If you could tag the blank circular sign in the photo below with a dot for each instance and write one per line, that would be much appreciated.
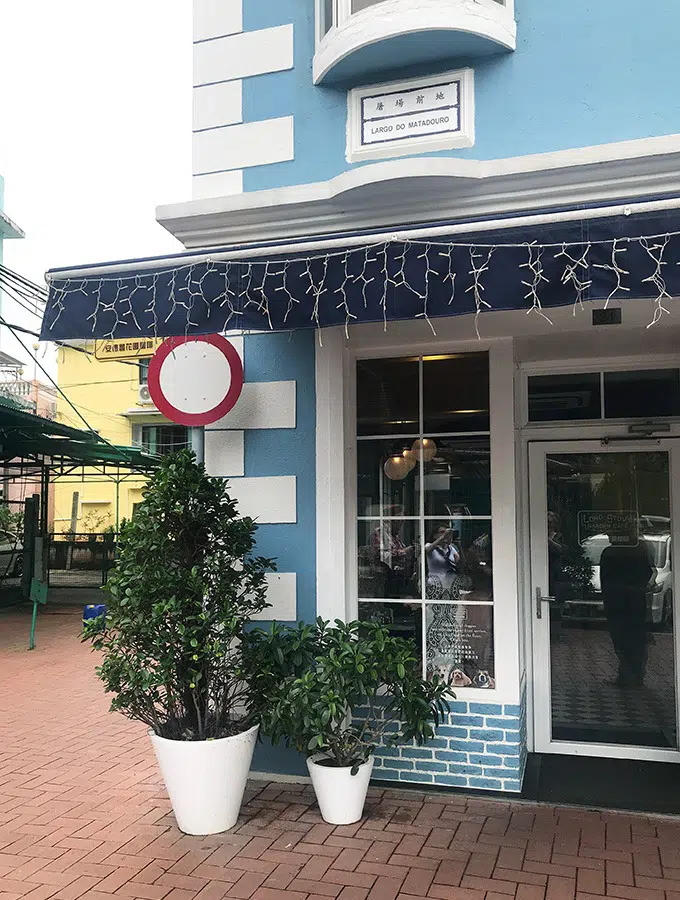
(195, 380)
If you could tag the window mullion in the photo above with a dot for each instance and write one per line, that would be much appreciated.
(421, 518)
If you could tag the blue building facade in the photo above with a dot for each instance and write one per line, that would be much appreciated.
(440, 230)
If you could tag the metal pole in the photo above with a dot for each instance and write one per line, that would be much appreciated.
(118, 502)
(197, 441)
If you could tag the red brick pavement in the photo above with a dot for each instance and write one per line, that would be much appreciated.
(83, 814)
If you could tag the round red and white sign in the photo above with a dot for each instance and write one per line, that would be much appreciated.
(195, 380)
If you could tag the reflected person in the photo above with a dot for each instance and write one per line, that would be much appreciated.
(388, 547)
(625, 573)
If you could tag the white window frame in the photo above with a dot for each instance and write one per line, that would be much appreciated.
(336, 453)
(581, 367)
(407, 146)
(342, 12)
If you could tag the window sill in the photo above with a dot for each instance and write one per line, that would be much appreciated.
(412, 32)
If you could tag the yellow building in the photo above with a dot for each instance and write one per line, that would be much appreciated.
(106, 383)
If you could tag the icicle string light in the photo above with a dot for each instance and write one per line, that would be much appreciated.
(463, 277)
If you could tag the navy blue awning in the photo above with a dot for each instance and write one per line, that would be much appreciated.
(541, 267)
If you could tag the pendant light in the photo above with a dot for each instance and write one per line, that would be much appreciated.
(411, 458)
(396, 467)
(425, 449)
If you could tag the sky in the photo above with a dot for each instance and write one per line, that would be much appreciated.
(95, 132)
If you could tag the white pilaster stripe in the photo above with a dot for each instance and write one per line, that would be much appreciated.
(271, 500)
(333, 449)
(216, 105)
(282, 596)
(216, 18)
(244, 54)
(262, 404)
(241, 146)
(224, 453)
(221, 184)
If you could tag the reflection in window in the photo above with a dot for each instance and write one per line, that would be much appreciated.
(328, 16)
(456, 393)
(387, 396)
(648, 395)
(389, 559)
(458, 478)
(358, 5)
(387, 481)
(424, 504)
(402, 619)
(163, 439)
(458, 561)
(564, 398)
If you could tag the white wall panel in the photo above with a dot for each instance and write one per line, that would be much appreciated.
(216, 105)
(262, 404)
(219, 184)
(282, 595)
(215, 18)
(240, 146)
(245, 54)
(224, 453)
(269, 499)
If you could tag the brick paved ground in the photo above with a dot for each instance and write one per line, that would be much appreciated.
(83, 814)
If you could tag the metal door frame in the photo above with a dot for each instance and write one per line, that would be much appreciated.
(540, 627)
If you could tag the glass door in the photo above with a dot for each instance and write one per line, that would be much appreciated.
(603, 587)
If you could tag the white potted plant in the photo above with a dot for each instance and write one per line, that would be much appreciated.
(337, 693)
(186, 584)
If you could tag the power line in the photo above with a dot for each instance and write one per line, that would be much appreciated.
(45, 372)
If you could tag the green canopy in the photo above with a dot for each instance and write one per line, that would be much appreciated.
(24, 435)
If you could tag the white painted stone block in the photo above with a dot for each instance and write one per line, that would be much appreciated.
(224, 453)
(240, 146)
(219, 184)
(262, 404)
(282, 595)
(215, 18)
(271, 500)
(236, 340)
(245, 54)
(216, 105)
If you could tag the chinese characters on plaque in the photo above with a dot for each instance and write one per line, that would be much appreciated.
(394, 116)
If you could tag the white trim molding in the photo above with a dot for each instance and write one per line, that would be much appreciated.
(490, 22)
(334, 446)
(243, 55)
(403, 118)
(431, 189)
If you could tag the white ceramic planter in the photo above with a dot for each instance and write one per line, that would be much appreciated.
(206, 779)
(341, 795)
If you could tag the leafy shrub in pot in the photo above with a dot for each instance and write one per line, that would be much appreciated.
(337, 693)
(185, 586)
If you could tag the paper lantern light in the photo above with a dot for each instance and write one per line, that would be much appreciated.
(424, 449)
(396, 467)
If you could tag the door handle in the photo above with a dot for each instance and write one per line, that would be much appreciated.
(540, 600)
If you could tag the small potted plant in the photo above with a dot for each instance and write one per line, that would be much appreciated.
(337, 693)
(185, 586)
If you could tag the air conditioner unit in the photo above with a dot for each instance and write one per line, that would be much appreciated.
(144, 395)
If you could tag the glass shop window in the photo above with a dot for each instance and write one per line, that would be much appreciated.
(636, 394)
(424, 526)
(160, 440)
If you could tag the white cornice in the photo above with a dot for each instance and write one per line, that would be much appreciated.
(430, 189)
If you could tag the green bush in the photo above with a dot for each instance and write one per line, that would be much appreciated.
(185, 586)
(342, 690)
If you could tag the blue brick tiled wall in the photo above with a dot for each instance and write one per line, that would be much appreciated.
(482, 745)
